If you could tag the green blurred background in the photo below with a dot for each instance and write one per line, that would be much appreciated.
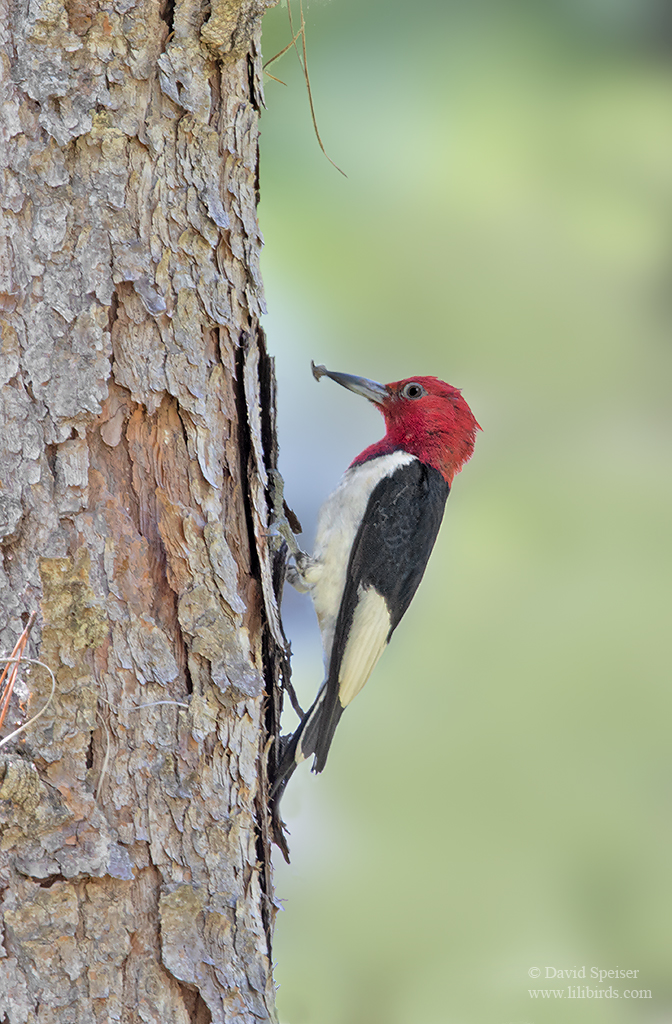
(499, 796)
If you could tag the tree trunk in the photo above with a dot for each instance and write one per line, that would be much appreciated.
(136, 432)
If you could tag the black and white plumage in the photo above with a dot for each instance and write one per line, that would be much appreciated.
(374, 537)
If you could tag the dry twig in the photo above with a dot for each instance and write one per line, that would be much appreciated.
(11, 670)
(22, 728)
(303, 61)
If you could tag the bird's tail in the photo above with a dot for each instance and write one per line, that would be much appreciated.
(303, 743)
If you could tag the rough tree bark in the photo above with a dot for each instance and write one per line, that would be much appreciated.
(136, 432)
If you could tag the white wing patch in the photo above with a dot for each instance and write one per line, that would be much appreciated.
(366, 642)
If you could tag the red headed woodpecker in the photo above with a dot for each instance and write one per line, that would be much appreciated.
(375, 534)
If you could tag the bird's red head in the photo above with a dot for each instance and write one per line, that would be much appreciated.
(423, 415)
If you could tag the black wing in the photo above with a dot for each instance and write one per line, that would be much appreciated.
(389, 557)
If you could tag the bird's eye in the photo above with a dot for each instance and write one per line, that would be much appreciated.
(413, 390)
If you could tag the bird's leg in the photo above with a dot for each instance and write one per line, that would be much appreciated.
(284, 524)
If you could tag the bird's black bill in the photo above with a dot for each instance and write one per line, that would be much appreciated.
(360, 385)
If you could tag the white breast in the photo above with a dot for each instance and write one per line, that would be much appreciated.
(337, 525)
